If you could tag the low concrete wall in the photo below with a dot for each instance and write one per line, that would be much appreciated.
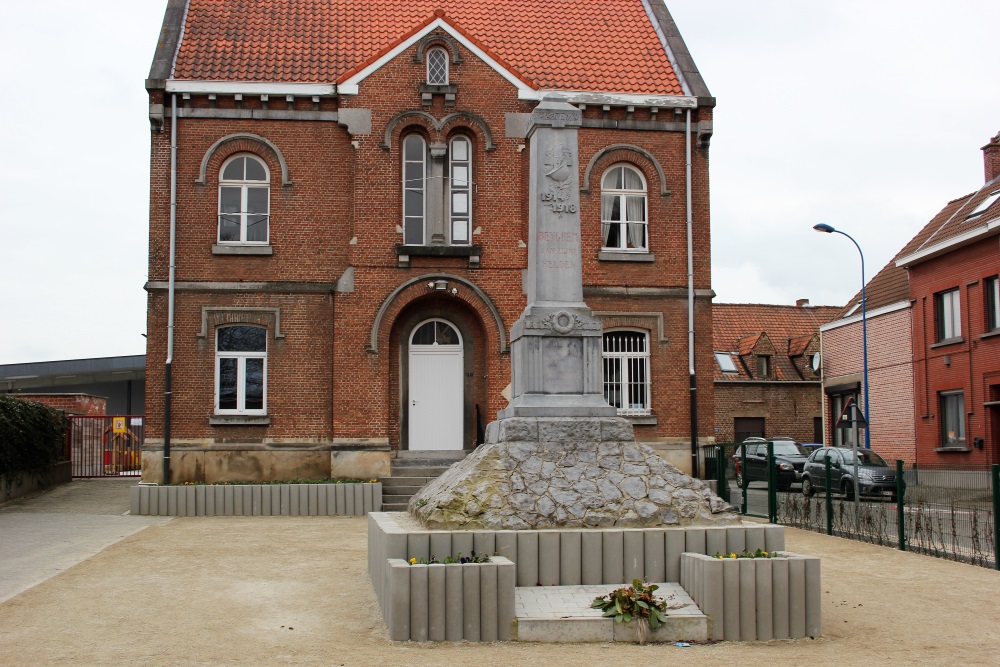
(756, 599)
(56, 474)
(257, 500)
(565, 557)
(454, 602)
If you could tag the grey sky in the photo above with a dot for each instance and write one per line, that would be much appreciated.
(865, 115)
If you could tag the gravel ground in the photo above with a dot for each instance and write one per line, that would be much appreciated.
(251, 591)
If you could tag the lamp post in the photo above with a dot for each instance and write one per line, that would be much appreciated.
(864, 328)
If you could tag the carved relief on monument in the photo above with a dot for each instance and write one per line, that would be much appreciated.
(557, 192)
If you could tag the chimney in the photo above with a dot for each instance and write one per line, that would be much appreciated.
(991, 157)
(802, 303)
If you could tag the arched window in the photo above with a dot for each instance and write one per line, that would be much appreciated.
(460, 183)
(437, 67)
(436, 332)
(626, 371)
(414, 189)
(623, 210)
(241, 370)
(244, 201)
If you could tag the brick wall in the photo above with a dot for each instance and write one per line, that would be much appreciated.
(787, 409)
(71, 404)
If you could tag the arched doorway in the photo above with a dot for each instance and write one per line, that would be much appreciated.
(436, 386)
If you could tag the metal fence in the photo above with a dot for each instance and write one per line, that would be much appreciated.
(106, 446)
(943, 511)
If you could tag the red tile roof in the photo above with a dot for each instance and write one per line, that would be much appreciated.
(954, 220)
(606, 46)
(738, 327)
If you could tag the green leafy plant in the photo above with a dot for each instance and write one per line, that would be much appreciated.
(297, 480)
(634, 603)
(459, 559)
(759, 553)
(31, 437)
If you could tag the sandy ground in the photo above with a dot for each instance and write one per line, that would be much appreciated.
(293, 590)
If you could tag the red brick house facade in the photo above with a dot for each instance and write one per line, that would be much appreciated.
(350, 223)
(765, 381)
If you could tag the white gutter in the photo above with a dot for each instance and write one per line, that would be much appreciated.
(949, 244)
(250, 88)
(891, 308)
(617, 99)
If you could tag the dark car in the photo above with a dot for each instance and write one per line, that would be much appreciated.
(789, 458)
(875, 476)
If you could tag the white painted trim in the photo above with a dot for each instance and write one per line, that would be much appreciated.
(949, 244)
(250, 87)
(350, 86)
(891, 308)
(595, 97)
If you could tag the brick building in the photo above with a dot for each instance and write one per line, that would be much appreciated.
(953, 264)
(765, 382)
(348, 198)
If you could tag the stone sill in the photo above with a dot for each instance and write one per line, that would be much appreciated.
(239, 420)
(991, 334)
(641, 420)
(612, 256)
(952, 450)
(226, 249)
(439, 250)
(946, 342)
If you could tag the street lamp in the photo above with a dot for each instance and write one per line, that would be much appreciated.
(864, 327)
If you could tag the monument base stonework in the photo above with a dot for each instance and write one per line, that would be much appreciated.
(551, 472)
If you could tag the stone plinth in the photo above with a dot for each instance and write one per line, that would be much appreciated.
(536, 473)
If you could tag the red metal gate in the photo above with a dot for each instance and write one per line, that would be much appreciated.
(107, 446)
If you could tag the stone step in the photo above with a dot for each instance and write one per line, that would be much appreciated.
(394, 507)
(418, 471)
(406, 480)
(399, 490)
(563, 614)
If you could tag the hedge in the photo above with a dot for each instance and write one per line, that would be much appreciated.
(31, 437)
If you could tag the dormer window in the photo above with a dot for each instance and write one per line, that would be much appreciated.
(437, 67)
(763, 366)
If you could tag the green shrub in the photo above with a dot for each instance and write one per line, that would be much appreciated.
(31, 437)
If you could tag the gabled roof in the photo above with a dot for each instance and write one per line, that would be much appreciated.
(737, 328)
(890, 285)
(623, 46)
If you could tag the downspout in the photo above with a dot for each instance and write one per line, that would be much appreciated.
(170, 288)
(690, 258)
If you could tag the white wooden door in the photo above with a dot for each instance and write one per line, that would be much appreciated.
(435, 387)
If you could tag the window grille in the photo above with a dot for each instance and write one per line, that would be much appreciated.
(626, 371)
(437, 67)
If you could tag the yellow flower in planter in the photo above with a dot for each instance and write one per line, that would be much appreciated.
(413, 561)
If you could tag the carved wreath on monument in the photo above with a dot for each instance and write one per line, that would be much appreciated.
(556, 193)
(562, 322)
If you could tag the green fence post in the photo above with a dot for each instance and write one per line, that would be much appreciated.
(996, 515)
(743, 474)
(900, 495)
(772, 486)
(720, 472)
(829, 497)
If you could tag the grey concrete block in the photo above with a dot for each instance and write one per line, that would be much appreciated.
(716, 541)
(359, 499)
(201, 501)
(675, 544)
(796, 598)
(713, 603)
(779, 597)
(484, 542)
(616, 429)
(548, 558)
(569, 430)
(654, 554)
(736, 539)
(814, 598)
(256, 500)
(227, 501)
(418, 603)
(341, 499)
(471, 612)
(348, 500)
(461, 543)
(506, 544)
(454, 603)
(694, 540)
(172, 496)
(191, 507)
(418, 545)
(570, 558)
(592, 557)
(506, 578)
(277, 500)
(613, 557)
(634, 546)
(163, 508)
(377, 497)
(565, 630)
(755, 538)
(774, 538)
(134, 493)
(312, 500)
(398, 600)
(441, 545)
(321, 491)
(731, 599)
(180, 501)
(518, 429)
(488, 601)
(436, 603)
(527, 559)
(286, 500)
(765, 606)
(748, 599)
(331, 500)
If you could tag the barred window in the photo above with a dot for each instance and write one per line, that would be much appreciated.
(626, 371)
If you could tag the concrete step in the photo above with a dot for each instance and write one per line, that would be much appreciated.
(418, 471)
(406, 480)
(395, 498)
(394, 507)
(399, 490)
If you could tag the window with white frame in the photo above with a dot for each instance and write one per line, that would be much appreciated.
(437, 67)
(948, 315)
(952, 418)
(244, 201)
(984, 205)
(241, 370)
(726, 363)
(992, 296)
(439, 182)
(623, 210)
(626, 371)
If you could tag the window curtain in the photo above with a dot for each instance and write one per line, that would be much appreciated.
(635, 213)
(607, 211)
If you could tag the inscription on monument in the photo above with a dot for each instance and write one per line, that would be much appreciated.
(557, 192)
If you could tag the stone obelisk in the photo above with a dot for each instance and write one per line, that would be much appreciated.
(559, 455)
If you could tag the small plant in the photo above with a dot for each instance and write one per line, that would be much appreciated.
(448, 560)
(634, 603)
(759, 553)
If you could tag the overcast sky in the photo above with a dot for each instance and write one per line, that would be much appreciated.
(868, 116)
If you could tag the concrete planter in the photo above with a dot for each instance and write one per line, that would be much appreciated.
(756, 599)
(452, 602)
(257, 500)
(54, 475)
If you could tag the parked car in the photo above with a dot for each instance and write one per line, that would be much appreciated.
(789, 458)
(875, 476)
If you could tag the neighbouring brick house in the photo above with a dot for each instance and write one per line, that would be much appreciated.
(766, 383)
(890, 368)
(351, 223)
(953, 265)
